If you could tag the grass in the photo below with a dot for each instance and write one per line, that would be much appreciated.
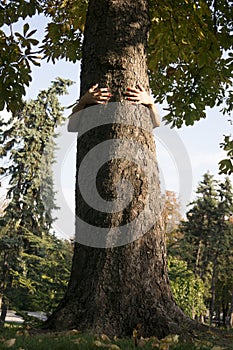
(19, 338)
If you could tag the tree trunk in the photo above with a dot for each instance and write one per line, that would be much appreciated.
(198, 258)
(119, 277)
(213, 292)
(4, 285)
(3, 312)
(231, 312)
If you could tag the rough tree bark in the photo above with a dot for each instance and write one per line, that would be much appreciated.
(116, 289)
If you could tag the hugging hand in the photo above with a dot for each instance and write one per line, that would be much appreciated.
(93, 96)
(96, 95)
(138, 95)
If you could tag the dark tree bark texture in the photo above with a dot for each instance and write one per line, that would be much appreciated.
(116, 289)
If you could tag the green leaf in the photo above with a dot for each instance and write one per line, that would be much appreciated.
(25, 28)
(31, 33)
(226, 166)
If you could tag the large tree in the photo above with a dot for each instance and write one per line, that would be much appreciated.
(119, 278)
(115, 289)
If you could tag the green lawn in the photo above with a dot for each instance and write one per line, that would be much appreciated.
(19, 338)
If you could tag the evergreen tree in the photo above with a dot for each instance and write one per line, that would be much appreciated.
(200, 225)
(28, 145)
(188, 289)
(207, 241)
(222, 280)
(44, 279)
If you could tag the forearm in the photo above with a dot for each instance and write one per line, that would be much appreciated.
(81, 105)
(73, 118)
(154, 114)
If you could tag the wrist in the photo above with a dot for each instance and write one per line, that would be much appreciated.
(82, 101)
(81, 104)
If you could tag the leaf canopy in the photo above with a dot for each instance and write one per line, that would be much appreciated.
(190, 55)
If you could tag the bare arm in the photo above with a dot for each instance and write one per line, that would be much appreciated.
(93, 96)
(140, 96)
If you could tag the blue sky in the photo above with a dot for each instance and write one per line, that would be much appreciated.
(195, 149)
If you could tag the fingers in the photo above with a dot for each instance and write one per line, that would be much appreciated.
(132, 90)
(132, 94)
(99, 95)
(141, 88)
(133, 98)
(102, 98)
(102, 92)
(93, 88)
(102, 95)
(138, 88)
(105, 89)
(101, 102)
(136, 95)
(136, 102)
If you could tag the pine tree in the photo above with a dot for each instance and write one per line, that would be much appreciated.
(28, 145)
(222, 279)
(207, 241)
(200, 225)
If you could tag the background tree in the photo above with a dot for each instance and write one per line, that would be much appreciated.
(188, 289)
(171, 217)
(222, 254)
(42, 282)
(25, 241)
(200, 226)
(207, 242)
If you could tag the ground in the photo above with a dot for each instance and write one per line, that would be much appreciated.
(17, 337)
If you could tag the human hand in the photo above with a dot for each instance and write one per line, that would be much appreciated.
(96, 95)
(138, 95)
(93, 96)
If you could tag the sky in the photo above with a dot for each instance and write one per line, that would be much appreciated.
(184, 155)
